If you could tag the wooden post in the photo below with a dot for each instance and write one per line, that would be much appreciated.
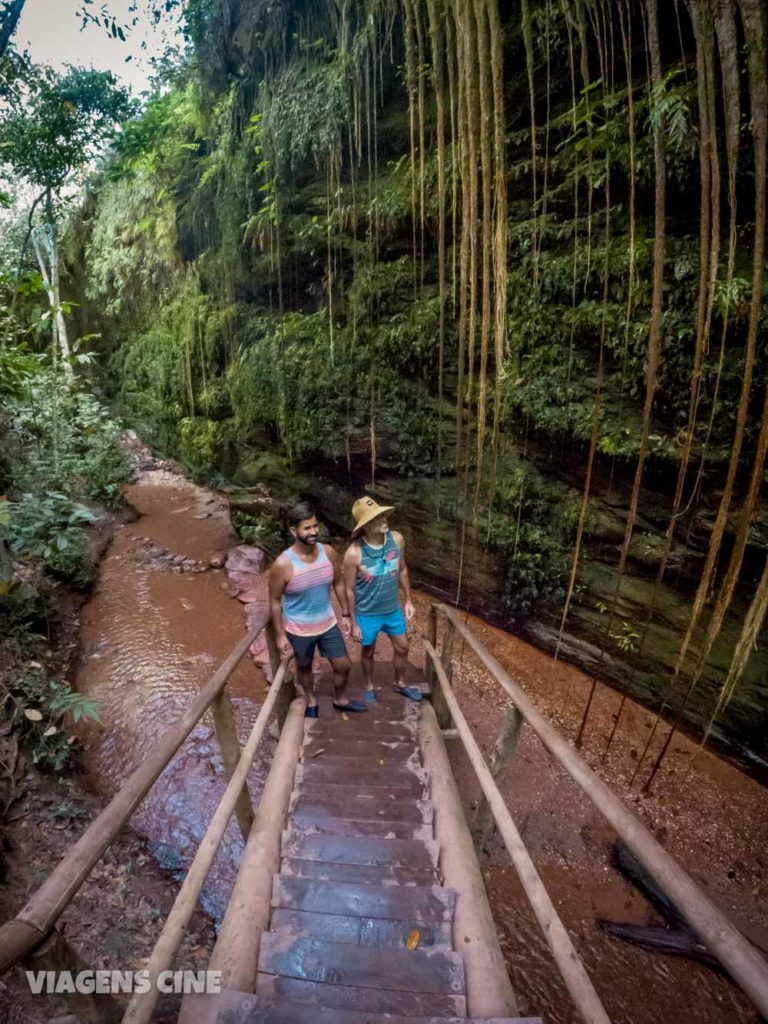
(483, 824)
(446, 656)
(429, 672)
(274, 653)
(226, 734)
(288, 691)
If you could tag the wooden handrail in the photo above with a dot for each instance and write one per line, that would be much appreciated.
(740, 958)
(35, 920)
(572, 971)
(142, 1005)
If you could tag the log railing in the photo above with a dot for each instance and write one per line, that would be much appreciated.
(36, 920)
(737, 955)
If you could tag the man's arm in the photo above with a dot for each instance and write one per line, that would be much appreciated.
(277, 584)
(404, 579)
(351, 563)
(338, 582)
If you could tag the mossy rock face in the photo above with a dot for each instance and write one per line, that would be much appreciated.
(207, 444)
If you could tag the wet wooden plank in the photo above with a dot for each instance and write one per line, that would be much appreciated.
(388, 750)
(311, 825)
(360, 1000)
(382, 794)
(359, 874)
(362, 931)
(270, 1011)
(361, 850)
(327, 802)
(367, 776)
(423, 904)
(339, 963)
(366, 726)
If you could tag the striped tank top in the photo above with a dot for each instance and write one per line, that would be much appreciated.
(378, 578)
(307, 607)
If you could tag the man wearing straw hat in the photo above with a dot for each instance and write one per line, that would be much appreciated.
(374, 573)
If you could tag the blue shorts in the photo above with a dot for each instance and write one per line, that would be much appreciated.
(330, 645)
(393, 624)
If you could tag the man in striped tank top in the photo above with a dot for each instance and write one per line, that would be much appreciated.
(374, 574)
(300, 583)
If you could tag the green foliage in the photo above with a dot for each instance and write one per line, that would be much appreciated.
(40, 711)
(530, 528)
(62, 439)
(63, 121)
(52, 529)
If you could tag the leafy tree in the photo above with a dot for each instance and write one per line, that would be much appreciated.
(45, 141)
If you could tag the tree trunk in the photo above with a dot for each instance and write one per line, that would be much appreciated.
(9, 24)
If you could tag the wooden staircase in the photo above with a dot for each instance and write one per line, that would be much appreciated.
(361, 925)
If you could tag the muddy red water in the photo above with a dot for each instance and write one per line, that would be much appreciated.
(152, 635)
(155, 631)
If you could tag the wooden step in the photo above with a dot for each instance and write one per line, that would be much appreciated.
(422, 904)
(383, 793)
(359, 1000)
(386, 750)
(235, 1007)
(339, 963)
(362, 931)
(371, 850)
(269, 1011)
(310, 825)
(361, 727)
(367, 777)
(356, 803)
(359, 874)
(345, 802)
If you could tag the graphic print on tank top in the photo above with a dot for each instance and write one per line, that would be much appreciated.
(307, 609)
(378, 578)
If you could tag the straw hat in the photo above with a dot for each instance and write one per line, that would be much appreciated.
(366, 509)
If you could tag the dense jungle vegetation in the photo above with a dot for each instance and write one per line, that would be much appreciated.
(502, 265)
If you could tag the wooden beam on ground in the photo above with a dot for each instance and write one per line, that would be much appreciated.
(57, 954)
(571, 969)
(488, 989)
(46, 906)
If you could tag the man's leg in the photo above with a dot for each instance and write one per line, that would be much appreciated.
(396, 629)
(304, 650)
(331, 646)
(366, 660)
(306, 680)
(400, 657)
(341, 668)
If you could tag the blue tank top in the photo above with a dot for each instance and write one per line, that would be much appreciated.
(307, 609)
(378, 578)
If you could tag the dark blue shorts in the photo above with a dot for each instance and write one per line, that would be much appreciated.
(329, 644)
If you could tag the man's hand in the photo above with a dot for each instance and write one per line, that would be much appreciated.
(357, 633)
(284, 646)
(410, 611)
(346, 627)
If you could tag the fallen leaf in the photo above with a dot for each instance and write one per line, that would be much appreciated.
(318, 752)
(345, 716)
(50, 731)
(33, 715)
(413, 939)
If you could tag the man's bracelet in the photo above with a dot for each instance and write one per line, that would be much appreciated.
(346, 615)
